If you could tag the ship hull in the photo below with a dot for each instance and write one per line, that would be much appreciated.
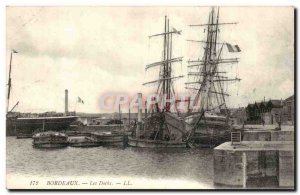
(25, 127)
(50, 145)
(11, 126)
(84, 144)
(205, 140)
(49, 139)
(161, 130)
(110, 139)
(211, 132)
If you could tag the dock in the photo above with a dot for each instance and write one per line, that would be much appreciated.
(263, 158)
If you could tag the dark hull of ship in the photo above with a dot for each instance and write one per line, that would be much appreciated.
(11, 126)
(210, 140)
(84, 144)
(119, 140)
(50, 145)
(152, 137)
(25, 127)
(49, 139)
(210, 133)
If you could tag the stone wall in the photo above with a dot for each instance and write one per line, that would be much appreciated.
(228, 168)
(268, 135)
(256, 136)
(255, 164)
(286, 168)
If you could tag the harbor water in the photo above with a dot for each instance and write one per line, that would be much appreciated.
(185, 164)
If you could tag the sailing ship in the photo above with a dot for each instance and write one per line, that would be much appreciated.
(162, 128)
(24, 127)
(208, 115)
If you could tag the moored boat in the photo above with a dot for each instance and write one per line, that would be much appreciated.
(50, 139)
(110, 138)
(208, 115)
(82, 141)
(160, 130)
(212, 130)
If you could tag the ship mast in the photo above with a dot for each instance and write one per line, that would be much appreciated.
(165, 82)
(9, 81)
(208, 78)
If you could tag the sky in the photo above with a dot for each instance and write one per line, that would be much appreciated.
(93, 51)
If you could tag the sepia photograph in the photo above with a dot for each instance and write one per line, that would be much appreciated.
(150, 97)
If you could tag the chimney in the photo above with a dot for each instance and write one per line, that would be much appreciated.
(66, 102)
(146, 112)
(140, 107)
(139, 123)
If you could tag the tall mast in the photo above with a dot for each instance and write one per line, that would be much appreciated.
(208, 79)
(165, 59)
(168, 73)
(9, 79)
(170, 70)
(165, 87)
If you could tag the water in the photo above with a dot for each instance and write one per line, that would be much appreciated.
(188, 164)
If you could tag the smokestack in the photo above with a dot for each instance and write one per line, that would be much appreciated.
(139, 123)
(140, 107)
(66, 102)
(146, 112)
(129, 115)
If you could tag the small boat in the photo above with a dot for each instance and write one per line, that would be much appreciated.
(50, 139)
(110, 138)
(82, 141)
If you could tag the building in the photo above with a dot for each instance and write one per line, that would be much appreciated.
(264, 112)
(289, 109)
(271, 112)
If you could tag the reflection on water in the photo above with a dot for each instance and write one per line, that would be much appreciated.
(191, 164)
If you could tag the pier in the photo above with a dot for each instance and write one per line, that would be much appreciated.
(264, 158)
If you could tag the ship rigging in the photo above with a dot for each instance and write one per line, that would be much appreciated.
(162, 128)
(207, 80)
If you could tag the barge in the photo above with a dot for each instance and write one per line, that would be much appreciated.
(50, 139)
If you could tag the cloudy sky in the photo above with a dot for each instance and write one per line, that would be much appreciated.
(99, 50)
